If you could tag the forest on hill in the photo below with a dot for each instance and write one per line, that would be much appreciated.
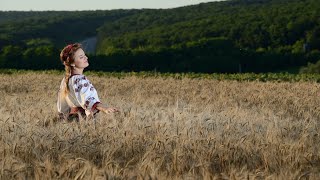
(226, 37)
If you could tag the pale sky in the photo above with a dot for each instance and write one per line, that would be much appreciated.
(70, 5)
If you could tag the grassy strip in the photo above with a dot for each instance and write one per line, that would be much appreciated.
(263, 77)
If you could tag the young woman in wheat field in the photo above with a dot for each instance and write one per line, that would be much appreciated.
(77, 96)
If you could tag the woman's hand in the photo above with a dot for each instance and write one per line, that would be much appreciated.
(105, 109)
(110, 110)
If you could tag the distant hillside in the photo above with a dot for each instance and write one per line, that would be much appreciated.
(227, 36)
(60, 27)
(252, 24)
(20, 16)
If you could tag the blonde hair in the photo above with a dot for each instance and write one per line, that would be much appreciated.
(67, 58)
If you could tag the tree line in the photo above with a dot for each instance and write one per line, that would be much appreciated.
(227, 36)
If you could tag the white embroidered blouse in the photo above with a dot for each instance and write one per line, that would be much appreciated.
(82, 95)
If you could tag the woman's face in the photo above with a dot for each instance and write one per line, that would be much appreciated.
(80, 59)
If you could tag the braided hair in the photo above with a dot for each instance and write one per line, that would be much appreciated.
(67, 58)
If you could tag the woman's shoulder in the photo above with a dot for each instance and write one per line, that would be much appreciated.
(77, 78)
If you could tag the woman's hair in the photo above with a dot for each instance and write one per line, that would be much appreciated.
(67, 58)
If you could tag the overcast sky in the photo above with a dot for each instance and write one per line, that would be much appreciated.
(42, 5)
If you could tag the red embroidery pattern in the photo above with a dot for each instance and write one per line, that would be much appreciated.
(88, 101)
(76, 81)
(78, 88)
(91, 98)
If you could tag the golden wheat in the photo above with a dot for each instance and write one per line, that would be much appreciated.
(167, 129)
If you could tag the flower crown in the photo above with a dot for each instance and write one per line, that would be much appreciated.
(66, 52)
(68, 49)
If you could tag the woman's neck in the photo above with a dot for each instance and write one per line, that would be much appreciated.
(77, 71)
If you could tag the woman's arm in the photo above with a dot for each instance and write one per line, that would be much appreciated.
(105, 109)
(87, 96)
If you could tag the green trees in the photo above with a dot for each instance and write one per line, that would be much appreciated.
(311, 68)
(226, 36)
(251, 24)
(280, 33)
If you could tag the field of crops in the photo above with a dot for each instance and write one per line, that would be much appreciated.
(171, 126)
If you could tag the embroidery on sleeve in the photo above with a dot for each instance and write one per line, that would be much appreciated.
(88, 101)
(79, 87)
(86, 104)
(76, 81)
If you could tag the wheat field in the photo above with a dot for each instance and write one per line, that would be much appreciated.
(167, 129)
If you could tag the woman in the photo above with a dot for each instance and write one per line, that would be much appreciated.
(77, 96)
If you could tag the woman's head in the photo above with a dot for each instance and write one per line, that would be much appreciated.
(74, 60)
(73, 56)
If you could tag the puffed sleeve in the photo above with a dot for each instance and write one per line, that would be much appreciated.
(85, 94)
